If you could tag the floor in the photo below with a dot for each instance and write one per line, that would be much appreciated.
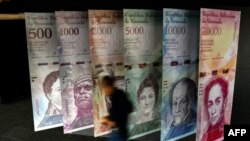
(16, 124)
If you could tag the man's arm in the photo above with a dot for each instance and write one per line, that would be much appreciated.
(107, 121)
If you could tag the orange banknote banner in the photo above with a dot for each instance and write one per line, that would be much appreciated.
(106, 50)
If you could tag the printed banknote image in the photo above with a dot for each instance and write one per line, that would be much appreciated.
(45, 83)
(143, 87)
(219, 37)
(74, 58)
(143, 52)
(182, 108)
(106, 49)
(83, 101)
(142, 36)
(76, 93)
(180, 71)
(44, 70)
(215, 98)
(147, 95)
(52, 91)
(72, 33)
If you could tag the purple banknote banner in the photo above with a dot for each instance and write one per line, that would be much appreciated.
(76, 81)
(44, 70)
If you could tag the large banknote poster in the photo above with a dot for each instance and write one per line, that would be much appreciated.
(44, 70)
(180, 69)
(106, 48)
(143, 63)
(219, 33)
(76, 81)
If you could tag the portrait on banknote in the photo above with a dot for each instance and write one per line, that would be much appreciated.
(74, 59)
(180, 71)
(182, 98)
(217, 68)
(215, 99)
(44, 70)
(143, 51)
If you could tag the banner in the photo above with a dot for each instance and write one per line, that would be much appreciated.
(106, 45)
(44, 70)
(143, 53)
(180, 69)
(219, 33)
(76, 81)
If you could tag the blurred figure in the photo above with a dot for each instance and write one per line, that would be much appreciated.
(119, 109)
(120, 82)
(105, 71)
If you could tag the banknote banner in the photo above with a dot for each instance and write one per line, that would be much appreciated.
(74, 64)
(219, 33)
(106, 50)
(180, 72)
(143, 62)
(44, 70)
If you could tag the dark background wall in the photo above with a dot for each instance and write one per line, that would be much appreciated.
(241, 103)
(14, 61)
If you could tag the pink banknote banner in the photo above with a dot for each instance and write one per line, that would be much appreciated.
(76, 81)
(219, 33)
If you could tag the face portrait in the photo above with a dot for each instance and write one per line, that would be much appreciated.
(181, 105)
(52, 90)
(55, 96)
(215, 100)
(147, 101)
(215, 105)
(183, 95)
(147, 95)
(82, 93)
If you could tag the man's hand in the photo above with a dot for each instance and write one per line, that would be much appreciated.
(107, 121)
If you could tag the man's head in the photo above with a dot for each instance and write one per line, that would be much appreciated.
(105, 71)
(215, 100)
(52, 89)
(147, 95)
(182, 96)
(83, 92)
(107, 85)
